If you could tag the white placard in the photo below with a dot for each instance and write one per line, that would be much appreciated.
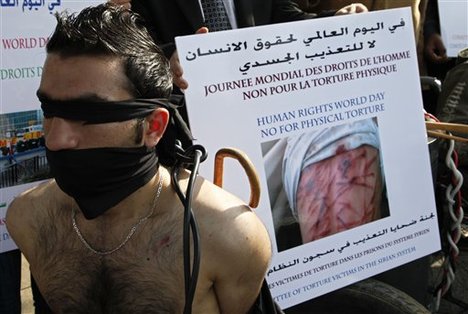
(453, 17)
(257, 87)
(25, 26)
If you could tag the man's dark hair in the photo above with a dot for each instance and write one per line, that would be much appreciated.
(111, 30)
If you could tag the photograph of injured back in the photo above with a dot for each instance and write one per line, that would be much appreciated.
(325, 181)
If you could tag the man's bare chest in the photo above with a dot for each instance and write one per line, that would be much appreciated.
(144, 276)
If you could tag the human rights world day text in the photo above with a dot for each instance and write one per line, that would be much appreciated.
(308, 117)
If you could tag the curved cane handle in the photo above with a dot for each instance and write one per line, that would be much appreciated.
(245, 163)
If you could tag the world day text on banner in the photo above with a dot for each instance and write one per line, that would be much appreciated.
(25, 26)
(453, 17)
(330, 113)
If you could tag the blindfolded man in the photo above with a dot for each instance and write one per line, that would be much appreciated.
(106, 235)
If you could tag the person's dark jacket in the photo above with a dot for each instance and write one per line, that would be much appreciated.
(167, 19)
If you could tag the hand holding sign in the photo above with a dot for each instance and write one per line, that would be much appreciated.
(176, 68)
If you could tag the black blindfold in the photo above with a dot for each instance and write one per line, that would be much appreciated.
(117, 111)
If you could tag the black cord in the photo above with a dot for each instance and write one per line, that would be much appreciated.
(192, 157)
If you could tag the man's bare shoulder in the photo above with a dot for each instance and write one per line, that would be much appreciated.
(236, 247)
(233, 228)
(209, 197)
(25, 203)
(27, 209)
(228, 227)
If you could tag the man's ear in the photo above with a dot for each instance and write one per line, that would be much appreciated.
(157, 123)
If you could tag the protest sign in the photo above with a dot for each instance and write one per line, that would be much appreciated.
(453, 18)
(324, 94)
(25, 27)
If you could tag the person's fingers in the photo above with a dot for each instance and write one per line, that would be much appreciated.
(435, 50)
(181, 83)
(177, 71)
(352, 8)
(433, 55)
(125, 3)
(119, 1)
(440, 48)
(429, 52)
(176, 68)
(202, 30)
(361, 8)
(342, 11)
(174, 62)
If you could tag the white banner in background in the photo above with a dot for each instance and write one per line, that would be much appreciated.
(282, 92)
(25, 26)
(453, 17)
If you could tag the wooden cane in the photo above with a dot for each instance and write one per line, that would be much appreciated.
(248, 168)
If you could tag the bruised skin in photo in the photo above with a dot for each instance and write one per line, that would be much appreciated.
(339, 193)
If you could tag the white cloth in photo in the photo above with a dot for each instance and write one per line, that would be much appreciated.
(308, 148)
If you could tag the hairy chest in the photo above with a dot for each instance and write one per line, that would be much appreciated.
(144, 276)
